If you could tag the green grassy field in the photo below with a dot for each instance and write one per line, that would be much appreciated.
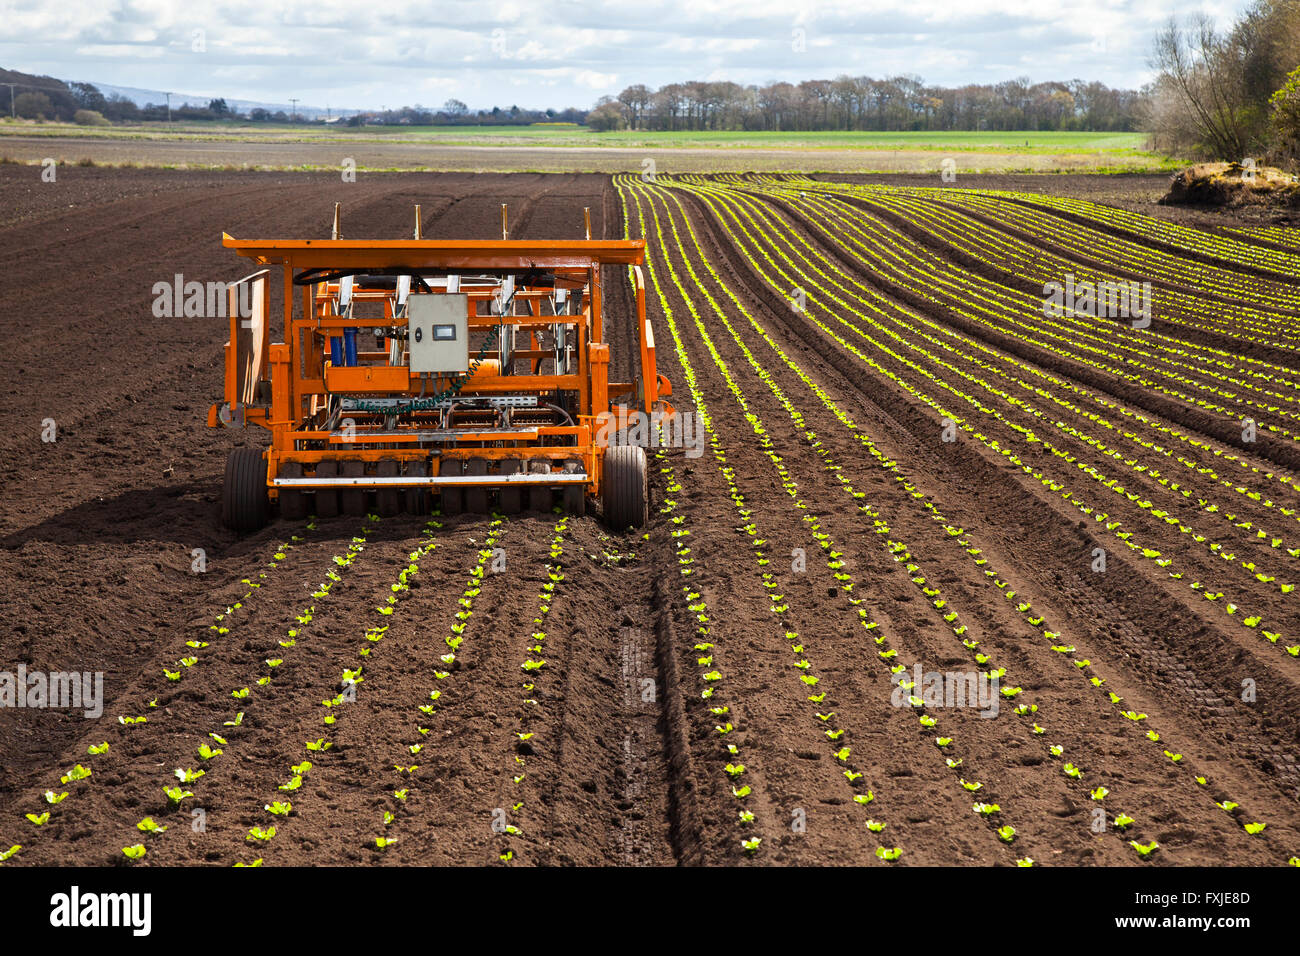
(567, 148)
(580, 137)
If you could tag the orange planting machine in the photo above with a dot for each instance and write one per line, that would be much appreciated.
(476, 371)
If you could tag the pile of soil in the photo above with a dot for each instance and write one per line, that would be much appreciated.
(1232, 185)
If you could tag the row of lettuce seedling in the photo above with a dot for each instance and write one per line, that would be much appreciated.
(1083, 666)
(344, 691)
(1140, 469)
(835, 558)
(219, 739)
(413, 746)
(533, 667)
(223, 620)
(1231, 608)
(1009, 255)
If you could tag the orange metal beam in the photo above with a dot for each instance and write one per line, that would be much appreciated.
(467, 254)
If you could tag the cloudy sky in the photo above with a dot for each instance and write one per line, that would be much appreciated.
(538, 53)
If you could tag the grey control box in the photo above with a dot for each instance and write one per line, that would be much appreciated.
(438, 327)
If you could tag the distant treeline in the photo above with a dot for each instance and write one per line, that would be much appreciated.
(893, 104)
(456, 113)
(44, 97)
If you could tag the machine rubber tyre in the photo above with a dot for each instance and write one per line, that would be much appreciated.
(574, 496)
(510, 497)
(388, 501)
(540, 497)
(353, 500)
(416, 500)
(244, 502)
(476, 499)
(293, 504)
(626, 494)
(327, 499)
(453, 499)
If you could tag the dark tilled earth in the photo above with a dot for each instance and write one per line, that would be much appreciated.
(99, 533)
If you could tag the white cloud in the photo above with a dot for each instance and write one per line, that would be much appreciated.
(592, 80)
(568, 52)
(123, 50)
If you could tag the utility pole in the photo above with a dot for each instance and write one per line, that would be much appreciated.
(294, 117)
(169, 108)
(12, 113)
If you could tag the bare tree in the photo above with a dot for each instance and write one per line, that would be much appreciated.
(1198, 78)
(862, 103)
(634, 100)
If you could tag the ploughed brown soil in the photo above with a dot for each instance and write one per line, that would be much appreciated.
(608, 754)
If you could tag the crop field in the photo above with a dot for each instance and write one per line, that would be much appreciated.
(962, 572)
(565, 148)
(568, 134)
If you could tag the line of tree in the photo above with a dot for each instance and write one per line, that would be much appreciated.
(456, 113)
(47, 98)
(892, 104)
(1233, 94)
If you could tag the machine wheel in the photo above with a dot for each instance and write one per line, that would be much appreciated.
(626, 493)
(476, 499)
(293, 504)
(453, 499)
(540, 497)
(575, 496)
(327, 499)
(244, 502)
(417, 499)
(388, 501)
(510, 498)
(353, 500)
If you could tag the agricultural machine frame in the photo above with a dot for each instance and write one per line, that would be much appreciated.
(487, 383)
